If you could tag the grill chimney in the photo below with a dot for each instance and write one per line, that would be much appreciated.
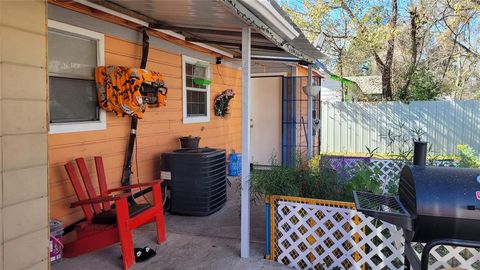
(420, 153)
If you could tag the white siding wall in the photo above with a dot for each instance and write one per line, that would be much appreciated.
(350, 127)
(23, 136)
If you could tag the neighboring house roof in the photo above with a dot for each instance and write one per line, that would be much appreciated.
(369, 85)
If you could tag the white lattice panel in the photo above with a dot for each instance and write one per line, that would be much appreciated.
(318, 237)
(390, 169)
(447, 257)
(344, 162)
(309, 236)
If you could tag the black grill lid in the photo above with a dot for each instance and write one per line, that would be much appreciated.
(384, 207)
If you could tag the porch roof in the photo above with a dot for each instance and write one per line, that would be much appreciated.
(218, 23)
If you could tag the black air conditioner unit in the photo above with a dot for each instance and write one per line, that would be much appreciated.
(198, 180)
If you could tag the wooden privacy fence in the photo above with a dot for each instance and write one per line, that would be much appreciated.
(350, 127)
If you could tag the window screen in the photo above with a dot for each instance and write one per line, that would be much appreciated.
(71, 64)
(196, 94)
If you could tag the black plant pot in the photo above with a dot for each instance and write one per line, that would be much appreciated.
(189, 142)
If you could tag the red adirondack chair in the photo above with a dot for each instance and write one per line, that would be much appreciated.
(105, 225)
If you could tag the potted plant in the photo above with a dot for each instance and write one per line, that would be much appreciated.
(189, 141)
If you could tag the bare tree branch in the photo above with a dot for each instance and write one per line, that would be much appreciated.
(475, 54)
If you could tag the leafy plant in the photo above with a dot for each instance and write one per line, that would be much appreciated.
(322, 184)
(392, 186)
(371, 152)
(316, 179)
(314, 164)
(467, 157)
(400, 140)
(363, 178)
(279, 180)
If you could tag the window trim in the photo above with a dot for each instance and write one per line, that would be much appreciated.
(193, 119)
(101, 124)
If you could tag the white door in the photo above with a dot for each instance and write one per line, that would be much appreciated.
(266, 122)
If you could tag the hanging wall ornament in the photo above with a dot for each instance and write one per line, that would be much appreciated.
(222, 102)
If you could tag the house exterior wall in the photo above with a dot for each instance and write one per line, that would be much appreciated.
(23, 136)
(157, 132)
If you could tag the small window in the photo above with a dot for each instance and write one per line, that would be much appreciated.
(196, 97)
(73, 55)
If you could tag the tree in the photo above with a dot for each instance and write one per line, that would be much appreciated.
(334, 31)
(398, 39)
(417, 19)
(423, 86)
(361, 23)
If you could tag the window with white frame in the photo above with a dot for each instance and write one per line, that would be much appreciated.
(196, 97)
(73, 55)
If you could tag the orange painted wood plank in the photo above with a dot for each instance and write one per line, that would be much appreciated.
(158, 132)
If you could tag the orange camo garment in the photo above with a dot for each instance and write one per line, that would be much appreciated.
(118, 89)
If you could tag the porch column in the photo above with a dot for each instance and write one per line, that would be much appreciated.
(310, 116)
(245, 200)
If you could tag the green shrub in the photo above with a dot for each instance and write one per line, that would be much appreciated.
(423, 86)
(279, 180)
(314, 180)
(321, 183)
(363, 179)
(467, 157)
(314, 164)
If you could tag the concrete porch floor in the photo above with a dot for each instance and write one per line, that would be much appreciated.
(211, 243)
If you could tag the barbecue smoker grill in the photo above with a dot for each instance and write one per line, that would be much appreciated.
(435, 205)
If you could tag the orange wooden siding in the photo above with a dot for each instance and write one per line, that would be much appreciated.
(158, 132)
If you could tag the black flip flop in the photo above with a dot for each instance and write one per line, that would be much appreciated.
(150, 252)
(142, 254)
